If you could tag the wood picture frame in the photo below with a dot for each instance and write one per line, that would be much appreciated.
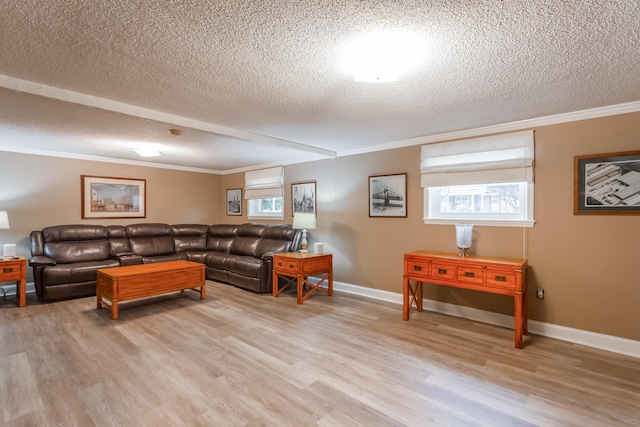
(303, 197)
(388, 195)
(109, 197)
(607, 184)
(234, 202)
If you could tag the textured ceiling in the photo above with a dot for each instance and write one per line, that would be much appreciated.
(260, 82)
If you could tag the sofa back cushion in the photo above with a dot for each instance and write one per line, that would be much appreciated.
(76, 243)
(151, 239)
(249, 235)
(118, 240)
(220, 237)
(190, 237)
(279, 238)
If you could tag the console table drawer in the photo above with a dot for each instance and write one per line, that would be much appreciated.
(470, 273)
(504, 279)
(416, 268)
(443, 270)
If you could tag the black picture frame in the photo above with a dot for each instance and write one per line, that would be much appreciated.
(234, 202)
(607, 184)
(303, 197)
(388, 196)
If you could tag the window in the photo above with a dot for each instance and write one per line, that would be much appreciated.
(485, 180)
(263, 190)
(266, 208)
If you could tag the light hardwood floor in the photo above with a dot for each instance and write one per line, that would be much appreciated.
(241, 359)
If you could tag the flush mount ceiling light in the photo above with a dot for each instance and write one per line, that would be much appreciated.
(148, 152)
(384, 56)
(175, 132)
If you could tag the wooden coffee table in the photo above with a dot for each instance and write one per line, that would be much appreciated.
(118, 284)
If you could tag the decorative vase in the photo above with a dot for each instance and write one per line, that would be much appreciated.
(463, 238)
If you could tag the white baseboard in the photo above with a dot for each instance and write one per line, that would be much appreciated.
(578, 336)
(10, 290)
(611, 343)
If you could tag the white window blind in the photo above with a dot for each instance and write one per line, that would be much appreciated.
(264, 183)
(499, 158)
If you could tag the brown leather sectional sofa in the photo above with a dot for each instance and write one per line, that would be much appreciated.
(65, 258)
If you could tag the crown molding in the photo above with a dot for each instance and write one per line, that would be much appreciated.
(593, 113)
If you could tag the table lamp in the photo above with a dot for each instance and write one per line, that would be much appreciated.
(4, 220)
(9, 250)
(304, 222)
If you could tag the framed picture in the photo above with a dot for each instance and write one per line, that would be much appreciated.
(303, 197)
(106, 197)
(388, 195)
(234, 201)
(607, 184)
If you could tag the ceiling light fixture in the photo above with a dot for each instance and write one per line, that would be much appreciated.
(147, 152)
(175, 132)
(384, 56)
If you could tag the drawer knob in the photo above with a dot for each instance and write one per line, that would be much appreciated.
(291, 266)
(279, 264)
(501, 278)
(442, 271)
(7, 270)
(469, 274)
(417, 267)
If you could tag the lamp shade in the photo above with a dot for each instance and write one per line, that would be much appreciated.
(304, 221)
(4, 219)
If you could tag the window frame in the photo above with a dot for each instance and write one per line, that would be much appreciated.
(524, 219)
(253, 210)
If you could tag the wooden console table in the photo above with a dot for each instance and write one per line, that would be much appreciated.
(506, 276)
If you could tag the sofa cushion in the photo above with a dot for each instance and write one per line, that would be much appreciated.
(220, 237)
(73, 243)
(151, 239)
(218, 260)
(245, 265)
(246, 243)
(76, 272)
(118, 240)
(164, 258)
(190, 237)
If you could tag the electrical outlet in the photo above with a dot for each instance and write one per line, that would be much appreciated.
(540, 294)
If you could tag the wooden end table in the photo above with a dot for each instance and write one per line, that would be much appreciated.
(15, 270)
(297, 267)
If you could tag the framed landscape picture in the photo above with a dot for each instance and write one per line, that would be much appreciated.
(607, 184)
(388, 195)
(234, 201)
(303, 197)
(107, 197)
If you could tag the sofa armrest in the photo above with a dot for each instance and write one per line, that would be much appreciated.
(118, 255)
(38, 261)
(127, 258)
(267, 256)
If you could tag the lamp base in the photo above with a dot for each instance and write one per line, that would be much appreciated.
(463, 252)
(304, 251)
(304, 242)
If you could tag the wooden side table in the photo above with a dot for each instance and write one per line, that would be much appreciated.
(505, 276)
(15, 270)
(297, 267)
